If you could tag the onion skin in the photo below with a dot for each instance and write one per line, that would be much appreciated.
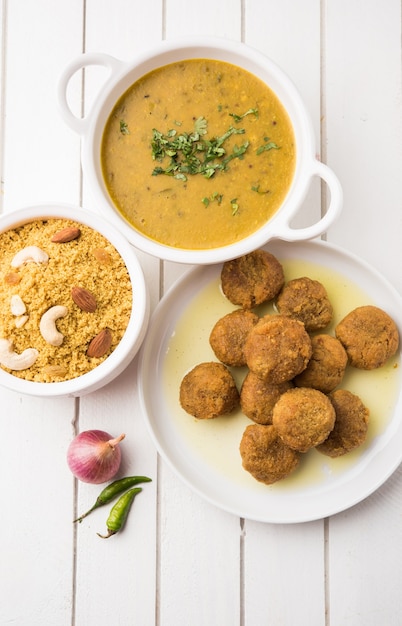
(94, 456)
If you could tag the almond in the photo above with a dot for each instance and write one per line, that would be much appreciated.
(100, 344)
(66, 234)
(84, 299)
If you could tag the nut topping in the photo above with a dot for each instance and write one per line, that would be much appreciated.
(100, 344)
(47, 325)
(13, 360)
(12, 278)
(66, 234)
(55, 370)
(17, 305)
(84, 299)
(30, 254)
(102, 256)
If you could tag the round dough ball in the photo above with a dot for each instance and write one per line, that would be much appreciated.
(369, 336)
(229, 334)
(306, 300)
(252, 279)
(209, 390)
(265, 456)
(351, 424)
(327, 365)
(258, 398)
(303, 417)
(278, 348)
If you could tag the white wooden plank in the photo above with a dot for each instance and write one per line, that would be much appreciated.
(363, 115)
(185, 18)
(40, 162)
(41, 156)
(285, 565)
(199, 559)
(123, 566)
(36, 538)
(3, 22)
(284, 574)
(363, 120)
(288, 32)
(365, 559)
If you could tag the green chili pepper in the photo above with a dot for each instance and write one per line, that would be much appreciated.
(111, 492)
(119, 512)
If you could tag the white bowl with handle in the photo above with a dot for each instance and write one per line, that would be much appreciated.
(121, 75)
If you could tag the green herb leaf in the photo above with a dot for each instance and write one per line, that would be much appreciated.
(216, 197)
(124, 128)
(192, 153)
(269, 145)
(200, 126)
(258, 190)
(235, 206)
(238, 118)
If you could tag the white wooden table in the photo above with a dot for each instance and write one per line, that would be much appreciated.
(180, 561)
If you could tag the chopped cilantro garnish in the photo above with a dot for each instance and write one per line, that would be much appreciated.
(192, 153)
(238, 118)
(268, 145)
(124, 128)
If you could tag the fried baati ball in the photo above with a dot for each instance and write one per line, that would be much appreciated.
(369, 336)
(265, 456)
(306, 300)
(258, 398)
(252, 279)
(278, 348)
(327, 365)
(229, 334)
(351, 424)
(303, 417)
(209, 390)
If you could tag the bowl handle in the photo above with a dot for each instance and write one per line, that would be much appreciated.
(335, 206)
(79, 124)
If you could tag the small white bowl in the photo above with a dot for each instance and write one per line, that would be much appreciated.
(133, 337)
(122, 75)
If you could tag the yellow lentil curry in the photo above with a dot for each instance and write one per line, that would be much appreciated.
(198, 154)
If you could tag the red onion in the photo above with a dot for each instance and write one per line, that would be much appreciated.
(94, 456)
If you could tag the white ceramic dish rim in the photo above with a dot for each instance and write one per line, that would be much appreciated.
(123, 74)
(132, 339)
(351, 487)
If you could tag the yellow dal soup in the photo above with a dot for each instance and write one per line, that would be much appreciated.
(198, 154)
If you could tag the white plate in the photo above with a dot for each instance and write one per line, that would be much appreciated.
(205, 454)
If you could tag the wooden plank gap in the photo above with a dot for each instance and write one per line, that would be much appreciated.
(163, 19)
(3, 77)
(158, 555)
(75, 431)
(326, 573)
(242, 576)
(323, 106)
(243, 21)
(83, 49)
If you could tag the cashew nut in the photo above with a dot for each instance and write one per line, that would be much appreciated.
(47, 325)
(20, 320)
(30, 254)
(15, 361)
(17, 305)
